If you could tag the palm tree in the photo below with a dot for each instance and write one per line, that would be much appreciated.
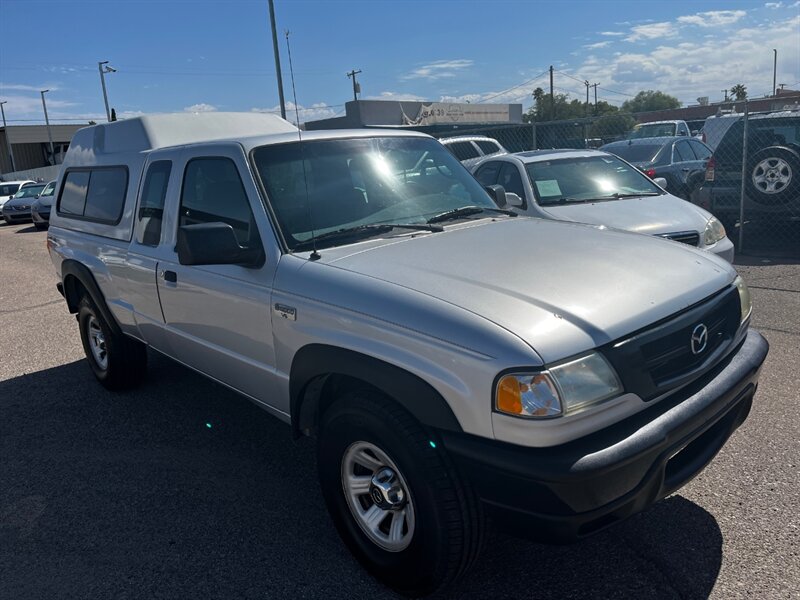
(740, 91)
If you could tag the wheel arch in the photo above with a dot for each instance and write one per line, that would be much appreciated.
(78, 280)
(320, 372)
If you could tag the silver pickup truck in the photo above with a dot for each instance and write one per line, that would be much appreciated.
(453, 360)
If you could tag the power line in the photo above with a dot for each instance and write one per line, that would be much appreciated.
(602, 88)
(539, 76)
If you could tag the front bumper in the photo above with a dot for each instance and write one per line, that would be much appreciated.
(563, 493)
(40, 217)
(723, 249)
(16, 216)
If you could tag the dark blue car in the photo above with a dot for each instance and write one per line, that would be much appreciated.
(679, 160)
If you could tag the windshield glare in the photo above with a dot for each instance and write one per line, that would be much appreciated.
(29, 191)
(48, 190)
(588, 178)
(325, 185)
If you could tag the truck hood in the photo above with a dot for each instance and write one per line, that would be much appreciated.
(563, 288)
(651, 215)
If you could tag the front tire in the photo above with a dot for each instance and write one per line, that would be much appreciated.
(118, 362)
(394, 495)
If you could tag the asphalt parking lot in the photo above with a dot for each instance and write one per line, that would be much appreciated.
(182, 489)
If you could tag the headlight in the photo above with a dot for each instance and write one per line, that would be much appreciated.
(560, 390)
(714, 232)
(744, 298)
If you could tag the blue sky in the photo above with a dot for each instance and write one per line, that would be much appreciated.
(207, 55)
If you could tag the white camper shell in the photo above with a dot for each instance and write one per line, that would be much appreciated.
(126, 144)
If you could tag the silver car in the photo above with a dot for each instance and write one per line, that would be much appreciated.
(590, 186)
(452, 360)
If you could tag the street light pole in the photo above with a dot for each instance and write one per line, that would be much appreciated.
(103, 70)
(5, 132)
(47, 121)
(774, 70)
(277, 58)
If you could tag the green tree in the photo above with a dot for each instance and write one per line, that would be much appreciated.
(564, 108)
(612, 125)
(740, 91)
(649, 100)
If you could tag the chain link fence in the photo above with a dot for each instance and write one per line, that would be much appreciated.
(744, 168)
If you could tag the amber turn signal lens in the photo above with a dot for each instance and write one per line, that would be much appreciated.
(509, 396)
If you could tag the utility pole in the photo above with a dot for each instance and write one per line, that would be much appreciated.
(356, 88)
(774, 70)
(552, 97)
(594, 85)
(726, 94)
(5, 132)
(103, 70)
(47, 121)
(586, 83)
(277, 58)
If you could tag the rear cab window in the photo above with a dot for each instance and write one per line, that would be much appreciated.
(151, 208)
(94, 194)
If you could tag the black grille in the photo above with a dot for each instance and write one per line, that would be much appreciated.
(655, 360)
(691, 238)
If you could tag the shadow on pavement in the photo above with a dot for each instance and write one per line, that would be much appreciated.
(183, 489)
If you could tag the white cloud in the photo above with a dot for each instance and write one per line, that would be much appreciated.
(318, 110)
(201, 107)
(651, 31)
(774, 5)
(713, 18)
(612, 33)
(692, 66)
(597, 45)
(439, 69)
(399, 96)
(17, 87)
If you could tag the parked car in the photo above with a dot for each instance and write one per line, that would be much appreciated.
(715, 126)
(40, 208)
(471, 149)
(9, 188)
(680, 161)
(451, 359)
(592, 186)
(772, 181)
(18, 208)
(660, 129)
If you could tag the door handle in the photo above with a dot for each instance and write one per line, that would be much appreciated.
(686, 169)
(169, 276)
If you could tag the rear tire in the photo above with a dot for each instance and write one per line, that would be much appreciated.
(443, 528)
(118, 361)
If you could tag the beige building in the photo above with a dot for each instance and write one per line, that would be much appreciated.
(30, 145)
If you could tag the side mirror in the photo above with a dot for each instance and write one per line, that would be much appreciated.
(36, 197)
(513, 200)
(497, 193)
(660, 181)
(214, 244)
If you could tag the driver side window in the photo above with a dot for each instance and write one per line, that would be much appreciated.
(213, 193)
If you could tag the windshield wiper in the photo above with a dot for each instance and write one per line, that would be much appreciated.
(365, 231)
(466, 211)
(614, 196)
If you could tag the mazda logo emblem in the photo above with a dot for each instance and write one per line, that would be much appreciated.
(699, 338)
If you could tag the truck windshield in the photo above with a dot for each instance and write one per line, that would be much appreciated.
(585, 179)
(320, 186)
(654, 130)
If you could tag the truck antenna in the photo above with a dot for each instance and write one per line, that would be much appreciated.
(314, 254)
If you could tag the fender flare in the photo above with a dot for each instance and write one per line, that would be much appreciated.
(316, 366)
(73, 272)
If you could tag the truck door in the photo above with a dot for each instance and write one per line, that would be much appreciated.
(148, 246)
(218, 316)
